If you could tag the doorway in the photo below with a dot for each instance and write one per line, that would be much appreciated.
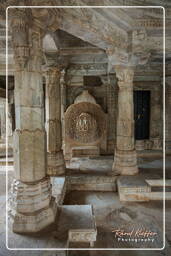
(142, 114)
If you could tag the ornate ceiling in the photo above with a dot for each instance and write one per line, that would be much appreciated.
(88, 35)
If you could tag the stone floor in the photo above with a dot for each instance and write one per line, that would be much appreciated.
(110, 214)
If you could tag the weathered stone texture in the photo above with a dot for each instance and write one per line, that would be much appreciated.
(29, 155)
(85, 125)
(125, 159)
(32, 207)
(56, 163)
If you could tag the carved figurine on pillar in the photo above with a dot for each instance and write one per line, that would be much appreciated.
(56, 163)
(32, 207)
(125, 158)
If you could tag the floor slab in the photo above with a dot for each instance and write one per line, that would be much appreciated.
(110, 213)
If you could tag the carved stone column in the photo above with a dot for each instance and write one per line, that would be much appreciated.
(156, 118)
(56, 163)
(111, 108)
(125, 158)
(63, 105)
(10, 113)
(3, 128)
(31, 206)
(2, 119)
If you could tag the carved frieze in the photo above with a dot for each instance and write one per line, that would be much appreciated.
(82, 235)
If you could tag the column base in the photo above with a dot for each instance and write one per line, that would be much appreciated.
(125, 163)
(56, 164)
(31, 206)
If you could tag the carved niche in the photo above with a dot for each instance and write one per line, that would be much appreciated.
(86, 128)
(85, 124)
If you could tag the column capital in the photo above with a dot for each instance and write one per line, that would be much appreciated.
(125, 76)
(52, 74)
(53, 69)
(20, 36)
(117, 56)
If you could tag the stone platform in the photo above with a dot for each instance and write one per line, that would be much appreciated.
(77, 224)
(91, 183)
(85, 151)
(133, 188)
(139, 189)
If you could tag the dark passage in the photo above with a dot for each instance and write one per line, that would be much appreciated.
(142, 114)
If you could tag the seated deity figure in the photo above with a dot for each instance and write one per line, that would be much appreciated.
(86, 128)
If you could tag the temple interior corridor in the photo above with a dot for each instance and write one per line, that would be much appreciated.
(85, 127)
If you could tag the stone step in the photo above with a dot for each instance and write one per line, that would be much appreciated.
(76, 225)
(138, 189)
(85, 151)
(132, 188)
(91, 183)
(159, 196)
(4, 168)
(150, 153)
(158, 182)
(3, 161)
(3, 151)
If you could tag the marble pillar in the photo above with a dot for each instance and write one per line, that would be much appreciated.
(63, 105)
(111, 107)
(156, 127)
(56, 163)
(125, 158)
(10, 112)
(3, 128)
(32, 207)
(2, 119)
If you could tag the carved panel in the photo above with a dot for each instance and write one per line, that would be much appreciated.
(85, 126)
(85, 122)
